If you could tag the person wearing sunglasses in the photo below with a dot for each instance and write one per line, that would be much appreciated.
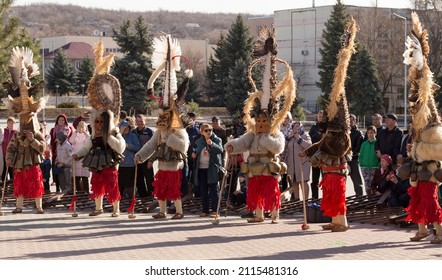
(208, 160)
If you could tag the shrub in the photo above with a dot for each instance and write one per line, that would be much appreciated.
(68, 104)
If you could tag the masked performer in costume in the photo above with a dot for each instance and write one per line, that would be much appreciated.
(170, 141)
(263, 114)
(333, 151)
(424, 170)
(104, 150)
(25, 150)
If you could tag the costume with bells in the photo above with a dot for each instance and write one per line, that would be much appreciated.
(424, 170)
(170, 141)
(333, 151)
(263, 115)
(25, 150)
(104, 149)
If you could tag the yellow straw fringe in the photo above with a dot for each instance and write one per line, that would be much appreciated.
(338, 87)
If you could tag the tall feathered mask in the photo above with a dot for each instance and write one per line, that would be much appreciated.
(20, 90)
(267, 100)
(104, 92)
(422, 87)
(166, 58)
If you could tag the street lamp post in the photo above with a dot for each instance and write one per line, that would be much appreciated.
(56, 95)
(82, 96)
(405, 69)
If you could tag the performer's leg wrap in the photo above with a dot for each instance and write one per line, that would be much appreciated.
(99, 203)
(38, 203)
(162, 204)
(342, 220)
(438, 228)
(179, 206)
(259, 213)
(19, 202)
(422, 228)
(116, 206)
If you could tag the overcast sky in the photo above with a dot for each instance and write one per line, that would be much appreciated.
(257, 7)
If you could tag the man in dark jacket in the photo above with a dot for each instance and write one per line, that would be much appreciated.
(356, 138)
(389, 139)
(316, 135)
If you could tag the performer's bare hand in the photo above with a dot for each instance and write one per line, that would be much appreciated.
(209, 142)
(302, 154)
(74, 156)
(229, 149)
(30, 135)
(9, 162)
(193, 155)
(137, 159)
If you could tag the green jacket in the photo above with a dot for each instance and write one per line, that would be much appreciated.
(367, 155)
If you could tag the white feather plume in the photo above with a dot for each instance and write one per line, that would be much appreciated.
(413, 54)
(162, 46)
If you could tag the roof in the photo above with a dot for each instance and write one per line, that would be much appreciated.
(74, 50)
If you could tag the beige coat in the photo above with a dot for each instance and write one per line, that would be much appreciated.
(294, 147)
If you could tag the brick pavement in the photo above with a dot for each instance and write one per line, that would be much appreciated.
(58, 236)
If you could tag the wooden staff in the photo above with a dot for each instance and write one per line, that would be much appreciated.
(3, 191)
(304, 226)
(131, 208)
(74, 198)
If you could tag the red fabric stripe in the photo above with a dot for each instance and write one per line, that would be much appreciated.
(424, 206)
(132, 205)
(326, 168)
(167, 184)
(28, 182)
(263, 192)
(333, 194)
(105, 183)
(74, 199)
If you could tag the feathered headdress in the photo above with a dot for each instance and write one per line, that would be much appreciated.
(422, 87)
(337, 108)
(22, 69)
(268, 98)
(104, 92)
(166, 58)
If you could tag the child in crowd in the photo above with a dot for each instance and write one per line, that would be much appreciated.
(64, 161)
(45, 167)
(368, 160)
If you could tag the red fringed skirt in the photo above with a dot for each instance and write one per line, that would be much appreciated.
(333, 194)
(424, 206)
(167, 184)
(105, 183)
(263, 192)
(28, 182)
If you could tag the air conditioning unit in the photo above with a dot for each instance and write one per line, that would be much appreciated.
(304, 52)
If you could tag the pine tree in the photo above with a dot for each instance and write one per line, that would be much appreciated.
(136, 44)
(233, 51)
(237, 87)
(61, 73)
(84, 74)
(363, 91)
(214, 75)
(334, 29)
(13, 34)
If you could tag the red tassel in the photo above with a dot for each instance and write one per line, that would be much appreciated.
(74, 199)
(132, 205)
